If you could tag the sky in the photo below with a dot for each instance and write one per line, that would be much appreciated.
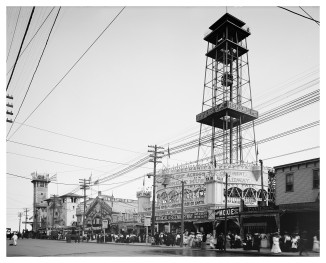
(141, 84)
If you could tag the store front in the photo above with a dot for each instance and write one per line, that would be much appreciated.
(98, 211)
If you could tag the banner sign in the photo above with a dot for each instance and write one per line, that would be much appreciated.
(220, 213)
(189, 216)
(147, 221)
(259, 208)
(105, 223)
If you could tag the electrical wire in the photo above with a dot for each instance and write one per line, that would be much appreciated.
(32, 157)
(71, 154)
(21, 45)
(12, 39)
(287, 110)
(75, 138)
(71, 68)
(46, 43)
(304, 150)
(299, 14)
(309, 15)
(32, 38)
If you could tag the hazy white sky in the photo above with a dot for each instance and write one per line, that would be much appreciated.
(141, 84)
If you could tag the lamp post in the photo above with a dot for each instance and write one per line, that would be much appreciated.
(165, 183)
(262, 184)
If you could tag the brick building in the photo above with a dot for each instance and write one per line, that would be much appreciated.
(297, 195)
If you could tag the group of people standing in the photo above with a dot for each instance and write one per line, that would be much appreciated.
(293, 243)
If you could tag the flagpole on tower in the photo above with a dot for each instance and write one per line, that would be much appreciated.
(57, 186)
(90, 183)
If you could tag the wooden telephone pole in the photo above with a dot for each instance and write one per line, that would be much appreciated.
(155, 155)
(84, 185)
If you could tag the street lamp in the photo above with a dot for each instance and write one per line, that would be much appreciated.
(165, 183)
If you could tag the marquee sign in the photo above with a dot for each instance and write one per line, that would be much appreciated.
(220, 213)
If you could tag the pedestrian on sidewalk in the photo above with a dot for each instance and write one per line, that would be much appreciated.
(303, 244)
(203, 243)
(276, 244)
(316, 247)
(256, 242)
(15, 238)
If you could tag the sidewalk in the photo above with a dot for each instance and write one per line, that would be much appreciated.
(239, 251)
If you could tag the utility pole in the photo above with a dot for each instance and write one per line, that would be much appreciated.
(84, 185)
(53, 211)
(9, 106)
(26, 210)
(262, 184)
(20, 214)
(155, 156)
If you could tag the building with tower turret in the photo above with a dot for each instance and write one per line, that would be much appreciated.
(143, 197)
(40, 194)
(61, 210)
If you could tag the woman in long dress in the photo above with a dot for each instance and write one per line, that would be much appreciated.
(14, 238)
(276, 244)
(315, 246)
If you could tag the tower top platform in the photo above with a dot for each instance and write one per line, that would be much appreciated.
(226, 17)
(40, 177)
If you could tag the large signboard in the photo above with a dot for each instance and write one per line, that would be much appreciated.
(194, 178)
(244, 182)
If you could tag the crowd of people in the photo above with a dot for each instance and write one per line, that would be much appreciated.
(274, 241)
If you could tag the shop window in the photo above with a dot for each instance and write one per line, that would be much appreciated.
(41, 184)
(315, 184)
(289, 182)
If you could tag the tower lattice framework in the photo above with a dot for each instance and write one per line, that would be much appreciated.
(227, 131)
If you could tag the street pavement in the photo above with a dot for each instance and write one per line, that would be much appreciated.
(54, 248)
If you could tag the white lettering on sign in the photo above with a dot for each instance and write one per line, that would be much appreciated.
(228, 212)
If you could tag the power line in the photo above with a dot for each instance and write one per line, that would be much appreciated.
(13, 36)
(75, 138)
(28, 156)
(70, 69)
(21, 45)
(32, 37)
(46, 43)
(299, 14)
(24, 177)
(71, 154)
(266, 117)
(304, 150)
(309, 15)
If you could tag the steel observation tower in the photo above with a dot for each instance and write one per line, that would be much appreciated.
(227, 130)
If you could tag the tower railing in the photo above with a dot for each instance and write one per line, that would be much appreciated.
(239, 44)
